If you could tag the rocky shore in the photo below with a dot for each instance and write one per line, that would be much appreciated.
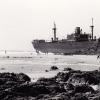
(66, 85)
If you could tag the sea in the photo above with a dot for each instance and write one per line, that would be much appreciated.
(38, 65)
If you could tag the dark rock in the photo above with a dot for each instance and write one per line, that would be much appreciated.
(31, 89)
(83, 78)
(9, 82)
(14, 77)
(46, 81)
(62, 77)
(23, 77)
(8, 57)
(56, 89)
(2, 68)
(68, 69)
(59, 96)
(79, 97)
(53, 68)
(52, 85)
(41, 96)
(46, 71)
(96, 97)
(66, 75)
(69, 86)
(83, 89)
(75, 72)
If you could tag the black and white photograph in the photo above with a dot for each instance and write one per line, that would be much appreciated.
(49, 49)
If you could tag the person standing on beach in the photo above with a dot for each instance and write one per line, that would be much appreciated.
(98, 56)
(5, 51)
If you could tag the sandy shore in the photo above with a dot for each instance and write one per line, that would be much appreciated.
(35, 65)
(77, 77)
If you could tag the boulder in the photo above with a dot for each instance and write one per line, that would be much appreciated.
(53, 68)
(62, 77)
(83, 89)
(9, 82)
(68, 69)
(21, 77)
(83, 78)
(31, 89)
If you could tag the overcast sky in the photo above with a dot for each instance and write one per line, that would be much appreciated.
(21, 21)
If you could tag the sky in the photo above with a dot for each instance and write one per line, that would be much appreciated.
(22, 21)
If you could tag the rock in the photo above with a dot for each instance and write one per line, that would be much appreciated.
(9, 82)
(31, 89)
(79, 97)
(53, 68)
(68, 69)
(2, 68)
(23, 77)
(69, 87)
(83, 89)
(96, 97)
(83, 78)
(14, 77)
(46, 71)
(56, 88)
(46, 81)
(62, 77)
(52, 85)
(60, 96)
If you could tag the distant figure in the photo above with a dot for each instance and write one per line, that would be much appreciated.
(98, 56)
(31, 53)
(5, 51)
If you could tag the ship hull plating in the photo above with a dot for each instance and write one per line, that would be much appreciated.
(68, 47)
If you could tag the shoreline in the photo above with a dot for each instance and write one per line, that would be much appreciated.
(68, 84)
(35, 67)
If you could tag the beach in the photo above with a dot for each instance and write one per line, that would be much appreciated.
(35, 65)
(31, 76)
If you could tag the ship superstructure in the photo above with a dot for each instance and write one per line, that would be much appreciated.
(75, 43)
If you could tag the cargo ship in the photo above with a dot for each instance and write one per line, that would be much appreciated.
(75, 43)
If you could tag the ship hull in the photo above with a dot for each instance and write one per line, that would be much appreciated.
(68, 47)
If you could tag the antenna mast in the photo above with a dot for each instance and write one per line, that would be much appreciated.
(54, 29)
(92, 28)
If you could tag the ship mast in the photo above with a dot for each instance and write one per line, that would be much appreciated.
(54, 29)
(92, 28)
